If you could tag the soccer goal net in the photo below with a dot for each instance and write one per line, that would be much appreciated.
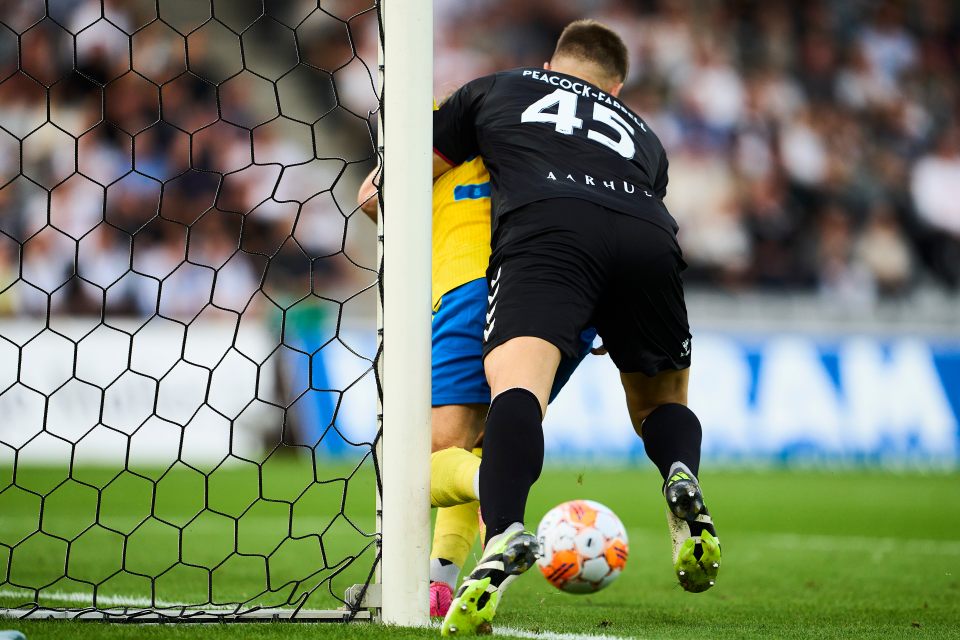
(196, 338)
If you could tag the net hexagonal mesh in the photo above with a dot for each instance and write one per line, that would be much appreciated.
(187, 294)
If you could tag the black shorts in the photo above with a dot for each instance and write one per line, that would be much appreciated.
(562, 265)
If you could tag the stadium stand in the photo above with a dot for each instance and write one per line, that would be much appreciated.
(132, 134)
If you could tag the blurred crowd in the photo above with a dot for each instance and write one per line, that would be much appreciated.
(146, 166)
(813, 145)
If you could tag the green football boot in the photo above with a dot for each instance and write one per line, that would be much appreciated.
(696, 547)
(505, 557)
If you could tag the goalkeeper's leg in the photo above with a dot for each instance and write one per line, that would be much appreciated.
(671, 436)
(521, 373)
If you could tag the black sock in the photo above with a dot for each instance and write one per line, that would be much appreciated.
(672, 433)
(512, 458)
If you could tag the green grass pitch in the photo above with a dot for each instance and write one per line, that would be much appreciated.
(807, 554)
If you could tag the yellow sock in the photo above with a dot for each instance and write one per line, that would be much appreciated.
(455, 532)
(452, 473)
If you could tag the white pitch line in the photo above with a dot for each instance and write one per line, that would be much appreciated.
(551, 635)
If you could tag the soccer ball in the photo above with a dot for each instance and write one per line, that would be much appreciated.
(583, 546)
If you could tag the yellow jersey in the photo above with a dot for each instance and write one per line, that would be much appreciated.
(461, 227)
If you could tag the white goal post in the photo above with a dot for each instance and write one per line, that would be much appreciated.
(405, 246)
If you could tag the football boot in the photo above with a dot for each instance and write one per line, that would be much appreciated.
(505, 557)
(696, 546)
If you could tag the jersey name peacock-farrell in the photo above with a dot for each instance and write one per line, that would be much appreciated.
(599, 183)
(584, 89)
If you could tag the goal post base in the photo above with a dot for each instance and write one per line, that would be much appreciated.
(364, 596)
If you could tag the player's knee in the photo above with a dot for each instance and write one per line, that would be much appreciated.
(456, 426)
(464, 439)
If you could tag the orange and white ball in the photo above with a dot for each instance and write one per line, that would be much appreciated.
(583, 545)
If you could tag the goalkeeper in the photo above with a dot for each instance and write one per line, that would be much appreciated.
(581, 238)
(460, 396)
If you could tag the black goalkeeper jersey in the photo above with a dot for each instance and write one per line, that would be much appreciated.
(544, 134)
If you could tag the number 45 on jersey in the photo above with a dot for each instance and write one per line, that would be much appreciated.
(565, 120)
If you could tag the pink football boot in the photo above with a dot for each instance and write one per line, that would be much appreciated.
(440, 597)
